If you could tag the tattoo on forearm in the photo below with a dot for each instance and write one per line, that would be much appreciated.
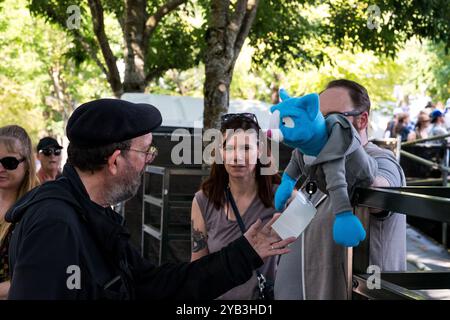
(198, 239)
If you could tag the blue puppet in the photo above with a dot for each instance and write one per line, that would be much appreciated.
(327, 151)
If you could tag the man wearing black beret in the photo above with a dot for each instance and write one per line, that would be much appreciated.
(69, 244)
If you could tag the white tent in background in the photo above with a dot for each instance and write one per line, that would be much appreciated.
(178, 111)
(187, 112)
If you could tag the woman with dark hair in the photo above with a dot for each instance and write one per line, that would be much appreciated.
(236, 175)
(402, 129)
(17, 177)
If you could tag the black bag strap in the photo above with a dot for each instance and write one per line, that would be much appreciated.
(235, 210)
(240, 222)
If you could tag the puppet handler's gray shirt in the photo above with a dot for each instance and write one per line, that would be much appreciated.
(316, 266)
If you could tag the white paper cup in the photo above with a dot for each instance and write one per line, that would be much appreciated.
(297, 216)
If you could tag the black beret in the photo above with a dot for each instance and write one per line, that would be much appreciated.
(105, 121)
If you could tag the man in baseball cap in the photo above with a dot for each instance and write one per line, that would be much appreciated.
(70, 244)
(437, 124)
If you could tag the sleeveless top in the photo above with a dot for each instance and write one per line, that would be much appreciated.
(221, 231)
(4, 246)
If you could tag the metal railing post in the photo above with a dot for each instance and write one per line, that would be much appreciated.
(164, 243)
(398, 148)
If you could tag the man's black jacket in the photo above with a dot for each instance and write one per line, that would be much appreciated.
(59, 229)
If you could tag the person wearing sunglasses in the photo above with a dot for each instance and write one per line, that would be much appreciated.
(69, 244)
(17, 176)
(316, 267)
(49, 155)
(422, 127)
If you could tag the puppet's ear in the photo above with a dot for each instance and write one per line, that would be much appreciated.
(283, 94)
(311, 105)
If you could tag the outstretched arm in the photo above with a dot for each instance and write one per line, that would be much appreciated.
(213, 274)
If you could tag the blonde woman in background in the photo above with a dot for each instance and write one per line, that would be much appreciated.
(17, 177)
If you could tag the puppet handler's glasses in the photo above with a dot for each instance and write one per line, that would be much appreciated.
(353, 113)
(11, 163)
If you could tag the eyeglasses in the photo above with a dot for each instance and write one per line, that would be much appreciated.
(49, 152)
(11, 163)
(244, 116)
(152, 152)
(353, 113)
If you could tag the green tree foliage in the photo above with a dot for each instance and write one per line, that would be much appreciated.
(432, 69)
(292, 33)
(296, 34)
(147, 37)
(300, 44)
(40, 85)
(419, 67)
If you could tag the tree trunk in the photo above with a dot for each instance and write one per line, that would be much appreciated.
(135, 47)
(138, 27)
(275, 87)
(226, 34)
(218, 75)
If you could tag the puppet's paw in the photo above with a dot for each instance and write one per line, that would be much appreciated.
(284, 191)
(348, 230)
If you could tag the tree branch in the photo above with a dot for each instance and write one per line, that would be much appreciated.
(247, 22)
(90, 51)
(155, 73)
(50, 11)
(153, 21)
(235, 24)
(110, 59)
(238, 14)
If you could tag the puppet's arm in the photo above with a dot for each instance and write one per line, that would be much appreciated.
(289, 179)
(284, 191)
(347, 229)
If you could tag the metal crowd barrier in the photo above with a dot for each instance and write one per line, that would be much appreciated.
(425, 202)
(443, 166)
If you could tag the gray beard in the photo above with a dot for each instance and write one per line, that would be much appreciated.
(124, 187)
